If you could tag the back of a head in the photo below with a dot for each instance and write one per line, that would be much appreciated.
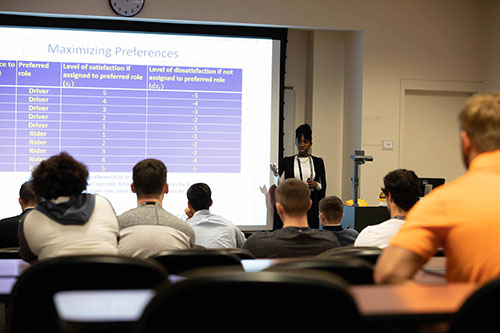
(27, 193)
(332, 207)
(404, 187)
(60, 175)
(294, 196)
(480, 119)
(149, 177)
(199, 196)
(304, 130)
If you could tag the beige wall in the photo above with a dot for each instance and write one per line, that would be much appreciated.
(402, 39)
(491, 46)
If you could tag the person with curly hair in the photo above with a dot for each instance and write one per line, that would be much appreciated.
(67, 221)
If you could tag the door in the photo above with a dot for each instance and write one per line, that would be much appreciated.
(430, 134)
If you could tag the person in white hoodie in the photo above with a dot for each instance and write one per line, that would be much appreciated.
(66, 221)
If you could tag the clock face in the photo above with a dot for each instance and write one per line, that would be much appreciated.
(126, 7)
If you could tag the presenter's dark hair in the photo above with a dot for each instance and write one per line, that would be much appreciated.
(304, 130)
(27, 194)
(60, 175)
(404, 187)
(149, 177)
(332, 207)
(199, 196)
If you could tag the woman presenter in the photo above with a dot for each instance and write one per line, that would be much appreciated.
(310, 169)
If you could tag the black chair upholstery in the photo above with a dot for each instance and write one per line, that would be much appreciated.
(354, 270)
(179, 261)
(9, 253)
(260, 301)
(367, 253)
(31, 307)
(241, 253)
(479, 312)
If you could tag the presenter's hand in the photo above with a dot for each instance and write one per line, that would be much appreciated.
(312, 184)
(188, 212)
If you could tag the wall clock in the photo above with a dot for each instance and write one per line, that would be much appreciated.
(126, 8)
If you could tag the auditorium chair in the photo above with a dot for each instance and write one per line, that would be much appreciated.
(367, 253)
(31, 308)
(354, 270)
(179, 261)
(254, 301)
(479, 311)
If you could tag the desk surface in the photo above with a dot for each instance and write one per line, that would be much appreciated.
(412, 299)
(432, 273)
(102, 305)
(12, 267)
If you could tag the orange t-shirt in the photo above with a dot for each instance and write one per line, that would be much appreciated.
(462, 217)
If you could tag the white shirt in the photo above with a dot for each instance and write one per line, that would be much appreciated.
(214, 231)
(380, 234)
(307, 167)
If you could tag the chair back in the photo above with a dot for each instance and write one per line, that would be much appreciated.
(9, 253)
(479, 311)
(229, 301)
(179, 261)
(31, 307)
(241, 253)
(367, 253)
(354, 270)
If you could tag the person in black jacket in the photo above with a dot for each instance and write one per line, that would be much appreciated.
(310, 169)
(8, 226)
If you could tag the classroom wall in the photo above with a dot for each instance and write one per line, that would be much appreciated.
(401, 39)
(491, 45)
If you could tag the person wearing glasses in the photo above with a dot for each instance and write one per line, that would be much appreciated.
(402, 190)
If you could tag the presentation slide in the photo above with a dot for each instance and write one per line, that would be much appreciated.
(208, 107)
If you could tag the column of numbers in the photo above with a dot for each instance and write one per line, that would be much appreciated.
(103, 144)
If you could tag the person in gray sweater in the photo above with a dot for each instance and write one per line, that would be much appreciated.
(149, 229)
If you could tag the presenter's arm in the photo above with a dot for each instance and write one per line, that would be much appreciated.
(282, 166)
(320, 177)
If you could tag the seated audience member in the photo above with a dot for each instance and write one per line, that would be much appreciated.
(296, 238)
(9, 226)
(66, 221)
(331, 211)
(462, 216)
(211, 230)
(402, 190)
(149, 229)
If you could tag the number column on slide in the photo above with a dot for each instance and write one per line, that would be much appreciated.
(194, 119)
(104, 115)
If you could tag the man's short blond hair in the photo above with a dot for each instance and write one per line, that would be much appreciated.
(293, 195)
(480, 119)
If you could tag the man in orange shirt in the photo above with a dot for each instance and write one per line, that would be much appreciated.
(463, 216)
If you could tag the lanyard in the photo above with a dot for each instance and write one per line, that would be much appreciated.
(310, 167)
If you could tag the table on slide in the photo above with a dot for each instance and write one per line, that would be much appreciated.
(112, 115)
